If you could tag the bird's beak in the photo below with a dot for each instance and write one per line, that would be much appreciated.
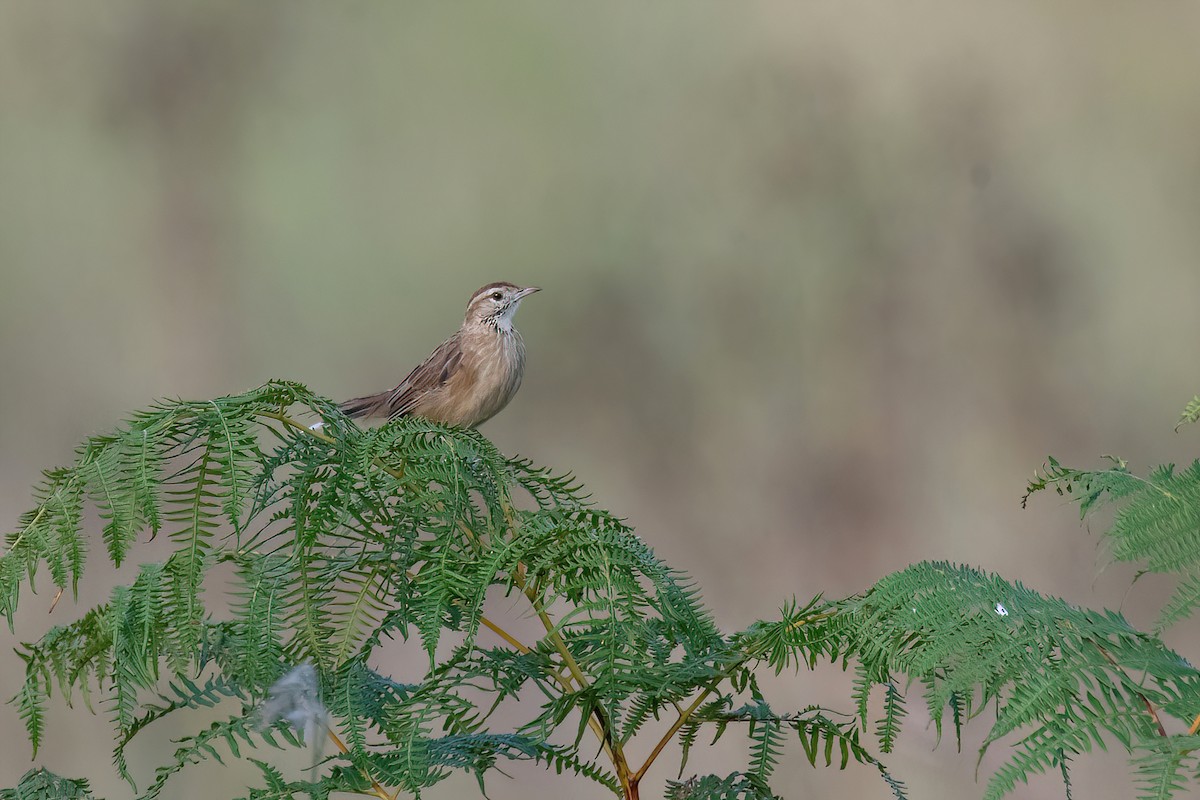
(528, 290)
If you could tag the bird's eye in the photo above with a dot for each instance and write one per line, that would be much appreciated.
(496, 295)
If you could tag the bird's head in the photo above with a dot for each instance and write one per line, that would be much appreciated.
(496, 303)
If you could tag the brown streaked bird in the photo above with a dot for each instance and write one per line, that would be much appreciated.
(469, 377)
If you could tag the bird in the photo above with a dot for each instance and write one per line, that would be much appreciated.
(467, 379)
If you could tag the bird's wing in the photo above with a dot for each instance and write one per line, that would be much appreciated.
(430, 374)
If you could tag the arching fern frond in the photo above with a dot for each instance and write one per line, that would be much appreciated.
(1067, 676)
(1156, 521)
(315, 552)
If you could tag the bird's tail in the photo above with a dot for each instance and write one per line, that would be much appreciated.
(364, 406)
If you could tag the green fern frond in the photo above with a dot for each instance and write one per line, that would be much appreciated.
(252, 652)
(365, 699)
(1161, 523)
(41, 784)
(1089, 487)
(1165, 765)
(135, 625)
(191, 504)
(428, 761)
(233, 733)
(328, 545)
(185, 694)
(967, 635)
(235, 455)
(822, 739)
(49, 533)
(74, 656)
(122, 473)
(1191, 413)
(340, 780)
(549, 490)
(894, 712)
(277, 788)
(31, 706)
(1157, 520)
(1182, 603)
(802, 636)
(735, 786)
(562, 760)
(74, 653)
(441, 585)
(1044, 750)
(766, 745)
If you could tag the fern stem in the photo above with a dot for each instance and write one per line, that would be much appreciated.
(679, 723)
(1195, 726)
(1146, 700)
(376, 787)
(704, 695)
(503, 634)
(36, 519)
(598, 720)
(297, 425)
(563, 680)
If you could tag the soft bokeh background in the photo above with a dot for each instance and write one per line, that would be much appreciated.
(824, 283)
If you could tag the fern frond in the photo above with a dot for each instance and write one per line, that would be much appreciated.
(428, 761)
(966, 635)
(549, 490)
(41, 784)
(252, 650)
(894, 712)
(233, 733)
(136, 622)
(1045, 749)
(277, 788)
(31, 707)
(102, 475)
(49, 533)
(1191, 413)
(235, 455)
(802, 636)
(74, 656)
(1182, 603)
(766, 745)
(365, 699)
(324, 544)
(823, 739)
(735, 786)
(1165, 765)
(185, 694)
(1158, 519)
(1089, 487)
(191, 507)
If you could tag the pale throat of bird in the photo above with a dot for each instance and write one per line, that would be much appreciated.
(504, 320)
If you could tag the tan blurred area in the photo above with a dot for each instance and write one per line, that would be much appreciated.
(823, 283)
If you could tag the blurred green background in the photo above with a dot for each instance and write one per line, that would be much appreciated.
(824, 283)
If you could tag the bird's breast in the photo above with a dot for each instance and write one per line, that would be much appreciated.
(491, 372)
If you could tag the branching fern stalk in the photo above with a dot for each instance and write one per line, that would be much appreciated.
(329, 547)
